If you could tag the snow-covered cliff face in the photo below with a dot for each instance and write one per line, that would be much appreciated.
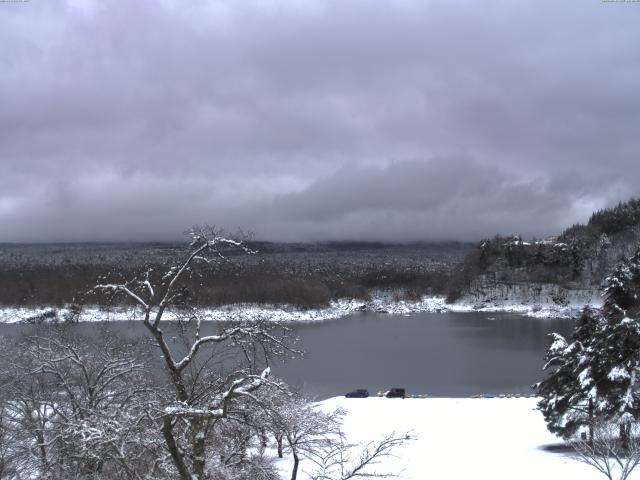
(570, 271)
(484, 291)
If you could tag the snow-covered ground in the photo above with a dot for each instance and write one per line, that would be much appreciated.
(463, 438)
(337, 309)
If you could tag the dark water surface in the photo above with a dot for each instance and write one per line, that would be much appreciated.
(441, 354)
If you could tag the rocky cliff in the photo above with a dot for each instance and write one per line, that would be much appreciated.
(564, 270)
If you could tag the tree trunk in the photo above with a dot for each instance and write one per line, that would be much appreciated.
(625, 431)
(43, 449)
(263, 440)
(198, 445)
(296, 462)
(174, 451)
(591, 422)
(279, 442)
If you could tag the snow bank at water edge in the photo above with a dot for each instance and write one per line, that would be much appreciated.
(460, 438)
(230, 313)
(337, 309)
(438, 304)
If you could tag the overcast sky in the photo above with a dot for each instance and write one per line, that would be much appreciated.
(315, 119)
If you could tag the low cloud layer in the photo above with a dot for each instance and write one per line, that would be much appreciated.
(314, 119)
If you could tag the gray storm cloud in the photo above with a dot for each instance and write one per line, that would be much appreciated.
(314, 119)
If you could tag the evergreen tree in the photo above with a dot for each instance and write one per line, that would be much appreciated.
(622, 288)
(567, 393)
(617, 347)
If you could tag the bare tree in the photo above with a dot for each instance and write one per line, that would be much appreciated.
(278, 401)
(305, 429)
(307, 432)
(343, 460)
(198, 396)
(79, 409)
(611, 455)
(6, 444)
(239, 444)
(8, 437)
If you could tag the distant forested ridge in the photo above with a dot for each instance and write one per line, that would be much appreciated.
(579, 258)
(568, 268)
(305, 275)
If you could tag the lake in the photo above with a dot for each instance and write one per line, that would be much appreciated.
(440, 354)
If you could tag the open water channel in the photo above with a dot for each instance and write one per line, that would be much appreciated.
(440, 354)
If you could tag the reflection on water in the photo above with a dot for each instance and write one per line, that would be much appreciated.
(442, 354)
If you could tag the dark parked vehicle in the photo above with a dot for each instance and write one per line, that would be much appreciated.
(395, 393)
(360, 393)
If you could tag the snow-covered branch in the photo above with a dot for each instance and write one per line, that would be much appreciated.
(241, 387)
(124, 289)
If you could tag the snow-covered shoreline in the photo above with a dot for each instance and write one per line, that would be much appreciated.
(337, 309)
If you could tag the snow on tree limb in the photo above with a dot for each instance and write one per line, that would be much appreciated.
(125, 289)
(199, 397)
(240, 387)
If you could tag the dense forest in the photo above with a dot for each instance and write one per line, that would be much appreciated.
(303, 275)
(311, 275)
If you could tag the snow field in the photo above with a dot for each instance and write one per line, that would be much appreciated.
(463, 438)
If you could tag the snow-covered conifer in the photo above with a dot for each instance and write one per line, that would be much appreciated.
(567, 393)
(616, 347)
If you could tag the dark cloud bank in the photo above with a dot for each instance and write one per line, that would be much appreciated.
(315, 120)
